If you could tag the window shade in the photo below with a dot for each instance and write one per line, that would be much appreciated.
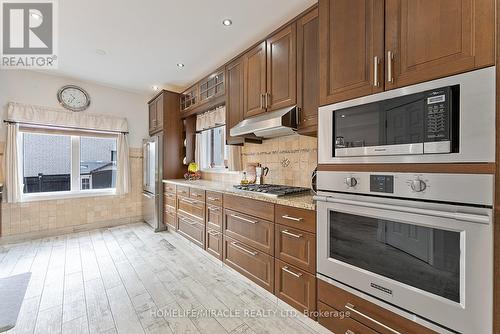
(211, 119)
(38, 115)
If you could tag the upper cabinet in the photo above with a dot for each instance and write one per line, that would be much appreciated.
(270, 79)
(234, 98)
(189, 98)
(156, 115)
(367, 46)
(429, 39)
(212, 86)
(205, 94)
(308, 72)
(352, 48)
(255, 80)
(281, 52)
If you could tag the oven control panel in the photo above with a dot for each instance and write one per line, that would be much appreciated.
(382, 183)
(423, 186)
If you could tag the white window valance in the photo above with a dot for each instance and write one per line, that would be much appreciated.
(38, 115)
(211, 119)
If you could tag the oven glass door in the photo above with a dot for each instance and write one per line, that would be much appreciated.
(422, 257)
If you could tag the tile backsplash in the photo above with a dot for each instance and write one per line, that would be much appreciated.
(291, 159)
(52, 215)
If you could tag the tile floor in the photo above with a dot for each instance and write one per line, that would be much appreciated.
(128, 279)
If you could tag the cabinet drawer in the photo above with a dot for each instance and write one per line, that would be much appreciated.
(256, 265)
(338, 323)
(170, 220)
(214, 217)
(182, 191)
(257, 233)
(296, 287)
(263, 210)
(197, 194)
(191, 207)
(169, 199)
(169, 209)
(169, 188)
(296, 218)
(191, 229)
(339, 299)
(214, 243)
(296, 247)
(214, 198)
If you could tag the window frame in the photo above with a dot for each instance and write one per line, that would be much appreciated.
(210, 151)
(75, 180)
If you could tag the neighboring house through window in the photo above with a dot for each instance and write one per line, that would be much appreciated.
(63, 162)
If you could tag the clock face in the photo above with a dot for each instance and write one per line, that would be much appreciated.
(73, 98)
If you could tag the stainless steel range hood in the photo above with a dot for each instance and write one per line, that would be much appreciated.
(271, 124)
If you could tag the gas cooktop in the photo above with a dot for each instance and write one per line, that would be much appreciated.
(272, 190)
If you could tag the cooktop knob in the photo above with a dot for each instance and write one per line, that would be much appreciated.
(351, 182)
(418, 185)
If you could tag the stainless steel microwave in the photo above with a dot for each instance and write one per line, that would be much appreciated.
(445, 120)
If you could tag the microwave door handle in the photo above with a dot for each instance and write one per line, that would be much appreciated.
(475, 218)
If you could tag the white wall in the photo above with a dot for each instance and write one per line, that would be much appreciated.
(41, 89)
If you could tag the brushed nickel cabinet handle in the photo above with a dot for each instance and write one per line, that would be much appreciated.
(375, 71)
(298, 236)
(215, 199)
(197, 195)
(187, 201)
(390, 57)
(349, 332)
(235, 244)
(285, 269)
(214, 233)
(352, 308)
(214, 209)
(292, 218)
(244, 219)
(261, 101)
(186, 220)
(268, 97)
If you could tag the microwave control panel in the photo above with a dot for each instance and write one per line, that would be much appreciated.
(438, 115)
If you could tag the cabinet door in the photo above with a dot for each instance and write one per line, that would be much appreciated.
(308, 72)
(351, 45)
(152, 116)
(159, 114)
(234, 99)
(282, 69)
(255, 80)
(429, 39)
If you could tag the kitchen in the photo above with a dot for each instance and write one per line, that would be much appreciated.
(330, 169)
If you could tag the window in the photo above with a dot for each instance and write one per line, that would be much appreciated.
(214, 149)
(55, 163)
(46, 162)
(98, 162)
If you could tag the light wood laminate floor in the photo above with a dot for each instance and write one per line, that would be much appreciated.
(128, 279)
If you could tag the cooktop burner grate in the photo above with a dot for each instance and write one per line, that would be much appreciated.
(274, 190)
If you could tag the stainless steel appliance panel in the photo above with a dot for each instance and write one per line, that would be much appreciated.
(476, 132)
(152, 181)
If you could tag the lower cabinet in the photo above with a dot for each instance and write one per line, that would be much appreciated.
(192, 229)
(170, 218)
(363, 312)
(337, 322)
(213, 243)
(296, 287)
(254, 264)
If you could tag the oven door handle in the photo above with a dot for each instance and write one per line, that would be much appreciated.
(475, 218)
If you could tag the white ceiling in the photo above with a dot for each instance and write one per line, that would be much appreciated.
(144, 40)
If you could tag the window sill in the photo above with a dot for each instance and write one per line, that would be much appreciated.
(220, 171)
(66, 195)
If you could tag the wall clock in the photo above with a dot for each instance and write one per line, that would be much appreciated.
(73, 98)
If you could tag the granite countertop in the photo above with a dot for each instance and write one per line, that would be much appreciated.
(303, 201)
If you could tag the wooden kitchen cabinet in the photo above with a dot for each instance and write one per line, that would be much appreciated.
(254, 81)
(256, 265)
(430, 39)
(192, 229)
(296, 247)
(189, 98)
(351, 40)
(367, 46)
(281, 69)
(341, 300)
(214, 217)
(308, 72)
(213, 244)
(156, 115)
(294, 286)
(234, 99)
(340, 324)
